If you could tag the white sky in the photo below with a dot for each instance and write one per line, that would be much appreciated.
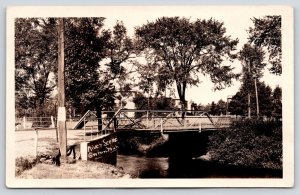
(236, 21)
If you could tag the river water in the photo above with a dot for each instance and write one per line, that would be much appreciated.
(162, 167)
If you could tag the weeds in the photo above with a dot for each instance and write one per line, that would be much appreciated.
(24, 163)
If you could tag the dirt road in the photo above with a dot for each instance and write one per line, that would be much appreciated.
(25, 140)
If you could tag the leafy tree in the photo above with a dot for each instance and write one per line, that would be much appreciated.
(213, 109)
(120, 48)
(277, 103)
(252, 65)
(85, 47)
(177, 49)
(119, 52)
(221, 107)
(152, 103)
(35, 60)
(265, 98)
(267, 33)
(239, 102)
(86, 44)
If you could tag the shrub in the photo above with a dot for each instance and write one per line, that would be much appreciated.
(23, 164)
(253, 143)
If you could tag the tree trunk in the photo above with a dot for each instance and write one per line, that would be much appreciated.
(256, 94)
(181, 93)
(249, 108)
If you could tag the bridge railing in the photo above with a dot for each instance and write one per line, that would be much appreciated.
(153, 120)
(168, 122)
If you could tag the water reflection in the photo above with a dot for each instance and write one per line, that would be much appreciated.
(160, 167)
(144, 167)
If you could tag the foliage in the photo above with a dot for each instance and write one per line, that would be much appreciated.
(177, 49)
(85, 47)
(24, 163)
(200, 107)
(86, 44)
(238, 104)
(267, 33)
(155, 103)
(276, 103)
(120, 49)
(35, 60)
(119, 52)
(217, 109)
(252, 58)
(152, 103)
(251, 143)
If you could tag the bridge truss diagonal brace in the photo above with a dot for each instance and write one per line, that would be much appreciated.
(112, 118)
(135, 122)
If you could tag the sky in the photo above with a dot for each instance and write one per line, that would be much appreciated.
(236, 21)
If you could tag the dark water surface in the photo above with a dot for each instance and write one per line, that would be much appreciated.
(162, 167)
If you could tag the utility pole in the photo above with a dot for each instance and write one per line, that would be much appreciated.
(61, 115)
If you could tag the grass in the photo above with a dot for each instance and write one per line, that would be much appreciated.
(24, 163)
(79, 170)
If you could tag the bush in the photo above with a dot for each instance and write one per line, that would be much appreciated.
(252, 143)
(23, 164)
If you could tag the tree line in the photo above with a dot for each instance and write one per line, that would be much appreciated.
(175, 51)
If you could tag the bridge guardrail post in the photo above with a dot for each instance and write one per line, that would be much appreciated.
(200, 127)
(84, 129)
(161, 126)
(147, 119)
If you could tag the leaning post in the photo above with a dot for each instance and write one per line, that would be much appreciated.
(61, 115)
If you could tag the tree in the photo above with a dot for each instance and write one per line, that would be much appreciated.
(157, 103)
(277, 103)
(35, 62)
(239, 102)
(176, 50)
(213, 108)
(252, 61)
(266, 33)
(85, 47)
(120, 50)
(221, 107)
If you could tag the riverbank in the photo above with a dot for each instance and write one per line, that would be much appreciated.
(150, 145)
(78, 170)
(26, 165)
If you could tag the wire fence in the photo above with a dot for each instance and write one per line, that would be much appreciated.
(35, 122)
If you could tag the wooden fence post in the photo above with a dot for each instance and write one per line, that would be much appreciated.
(24, 122)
